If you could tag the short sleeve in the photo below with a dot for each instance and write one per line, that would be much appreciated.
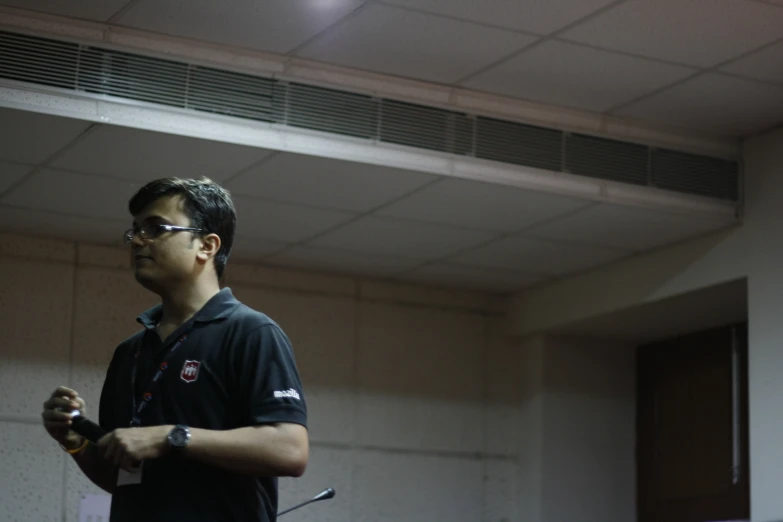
(107, 418)
(269, 385)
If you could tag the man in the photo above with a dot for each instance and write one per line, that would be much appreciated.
(204, 407)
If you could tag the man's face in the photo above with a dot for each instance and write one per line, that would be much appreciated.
(169, 258)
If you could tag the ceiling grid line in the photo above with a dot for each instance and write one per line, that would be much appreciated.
(327, 30)
(767, 2)
(539, 42)
(71, 215)
(43, 164)
(134, 181)
(456, 18)
(250, 167)
(522, 231)
(359, 216)
(714, 69)
(624, 53)
(770, 83)
(130, 4)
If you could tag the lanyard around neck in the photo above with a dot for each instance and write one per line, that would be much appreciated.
(147, 396)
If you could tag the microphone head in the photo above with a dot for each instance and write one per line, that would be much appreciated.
(325, 494)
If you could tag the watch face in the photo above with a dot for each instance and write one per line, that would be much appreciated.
(179, 437)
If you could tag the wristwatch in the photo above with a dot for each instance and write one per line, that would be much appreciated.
(179, 437)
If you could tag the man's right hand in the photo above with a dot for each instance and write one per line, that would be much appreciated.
(57, 416)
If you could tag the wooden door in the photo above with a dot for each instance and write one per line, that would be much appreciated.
(692, 428)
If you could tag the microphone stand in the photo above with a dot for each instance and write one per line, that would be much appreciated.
(323, 495)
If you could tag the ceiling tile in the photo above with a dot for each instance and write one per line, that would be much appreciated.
(143, 155)
(697, 32)
(277, 27)
(341, 261)
(715, 104)
(535, 16)
(538, 256)
(375, 235)
(52, 225)
(75, 194)
(10, 173)
(282, 221)
(761, 65)
(579, 77)
(481, 206)
(246, 248)
(625, 227)
(471, 277)
(98, 10)
(21, 132)
(324, 182)
(432, 48)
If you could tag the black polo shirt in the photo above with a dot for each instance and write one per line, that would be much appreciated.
(235, 367)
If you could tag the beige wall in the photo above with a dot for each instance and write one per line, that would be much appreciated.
(577, 443)
(589, 431)
(416, 399)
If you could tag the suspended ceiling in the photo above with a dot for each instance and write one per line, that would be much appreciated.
(68, 178)
(63, 177)
(710, 66)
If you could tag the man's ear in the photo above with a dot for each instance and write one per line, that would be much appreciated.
(210, 244)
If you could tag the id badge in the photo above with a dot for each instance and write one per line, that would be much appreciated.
(128, 478)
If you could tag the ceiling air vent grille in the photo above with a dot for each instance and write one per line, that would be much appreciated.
(607, 159)
(520, 144)
(681, 172)
(330, 110)
(425, 127)
(233, 94)
(38, 60)
(131, 76)
(98, 71)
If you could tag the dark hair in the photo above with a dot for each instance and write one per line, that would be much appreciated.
(207, 205)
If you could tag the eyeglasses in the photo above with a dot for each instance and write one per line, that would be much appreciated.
(153, 231)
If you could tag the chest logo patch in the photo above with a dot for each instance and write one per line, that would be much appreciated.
(190, 371)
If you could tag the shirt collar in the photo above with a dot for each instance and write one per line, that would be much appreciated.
(218, 307)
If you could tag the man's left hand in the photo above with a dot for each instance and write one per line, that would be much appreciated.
(127, 446)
